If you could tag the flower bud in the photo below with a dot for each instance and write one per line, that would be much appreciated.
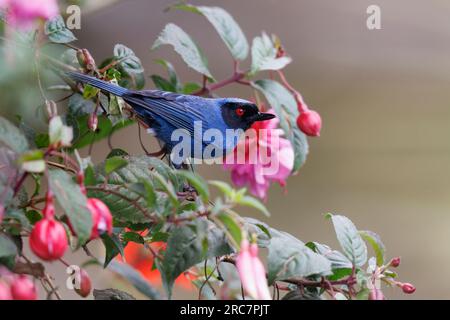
(310, 123)
(5, 291)
(48, 239)
(101, 217)
(84, 285)
(93, 122)
(395, 262)
(408, 288)
(23, 288)
(251, 272)
(376, 294)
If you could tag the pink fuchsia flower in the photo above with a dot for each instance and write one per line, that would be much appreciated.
(251, 272)
(268, 158)
(310, 122)
(23, 13)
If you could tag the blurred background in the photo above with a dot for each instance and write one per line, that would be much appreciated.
(383, 158)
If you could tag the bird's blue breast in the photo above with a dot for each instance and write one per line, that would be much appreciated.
(191, 126)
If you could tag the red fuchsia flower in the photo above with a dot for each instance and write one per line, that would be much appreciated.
(23, 13)
(268, 158)
(5, 291)
(252, 272)
(22, 288)
(48, 239)
(85, 284)
(310, 123)
(101, 218)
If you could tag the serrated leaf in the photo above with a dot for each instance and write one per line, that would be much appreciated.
(57, 31)
(376, 243)
(337, 259)
(73, 201)
(289, 257)
(226, 27)
(133, 237)
(12, 137)
(350, 240)
(128, 59)
(264, 54)
(185, 47)
(184, 251)
(285, 107)
(135, 278)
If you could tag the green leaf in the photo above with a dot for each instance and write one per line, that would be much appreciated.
(135, 278)
(128, 59)
(85, 136)
(190, 87)
(173, 77)
(114, 163)
(232, 226)
(289, 257)
(376, 243)
(163, 84)
(90, 92)
(73, 201)
(260, 229)
(12, 137)
(79, 105)
(285, 107)
(226, 27)
(57, 31)
(7, 247)
(113, 247)
(350, 240)
(184, 251)
(185, 47)
(116, 153)
(197, 182)
(224, 187)
(132, 237)
(337, 259)
(254, 203)
(123, 203)
(264, 54)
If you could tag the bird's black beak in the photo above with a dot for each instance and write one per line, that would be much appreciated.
(261, 116)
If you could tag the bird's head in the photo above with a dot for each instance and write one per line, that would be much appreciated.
(241, 114)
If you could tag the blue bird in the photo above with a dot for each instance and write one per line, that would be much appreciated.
(165, 112)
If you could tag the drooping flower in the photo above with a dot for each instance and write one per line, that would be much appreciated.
(101, 217)
(22, 288)
(267, 158)
(251, 272)
(48, 239)
(23, 13)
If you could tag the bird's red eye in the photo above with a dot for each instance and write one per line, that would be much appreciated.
(240, 112)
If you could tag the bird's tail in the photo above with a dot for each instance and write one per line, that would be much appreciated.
(100, 84)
